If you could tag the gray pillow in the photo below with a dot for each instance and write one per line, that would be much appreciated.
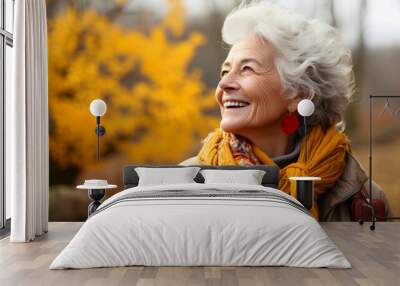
(162, 176)
(248, 177)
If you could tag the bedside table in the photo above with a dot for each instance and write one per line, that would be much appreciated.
(96, 191)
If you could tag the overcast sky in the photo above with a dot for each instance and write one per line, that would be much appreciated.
(382, 20)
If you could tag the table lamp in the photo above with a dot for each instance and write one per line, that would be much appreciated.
(98, 108)
(305, 185)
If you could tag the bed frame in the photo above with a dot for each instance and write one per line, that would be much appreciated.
(270, 179)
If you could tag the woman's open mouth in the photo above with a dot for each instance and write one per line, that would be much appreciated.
(235, 104)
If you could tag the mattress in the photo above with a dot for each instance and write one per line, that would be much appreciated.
(201, 225)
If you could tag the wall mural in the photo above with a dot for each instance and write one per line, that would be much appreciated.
(157, 67)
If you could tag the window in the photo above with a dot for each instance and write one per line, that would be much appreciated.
(6, 60)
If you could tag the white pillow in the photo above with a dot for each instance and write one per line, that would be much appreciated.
(249, 177)
(161, 176)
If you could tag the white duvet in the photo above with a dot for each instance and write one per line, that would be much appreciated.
(183, 231)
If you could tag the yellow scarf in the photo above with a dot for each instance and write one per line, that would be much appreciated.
(326, 159)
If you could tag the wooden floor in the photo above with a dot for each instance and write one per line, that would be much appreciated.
(374, 255)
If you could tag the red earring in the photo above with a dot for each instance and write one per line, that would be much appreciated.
(290, 123)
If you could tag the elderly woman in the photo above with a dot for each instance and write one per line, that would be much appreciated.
(277, 58)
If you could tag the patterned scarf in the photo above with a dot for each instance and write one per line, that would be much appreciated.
(326, 157)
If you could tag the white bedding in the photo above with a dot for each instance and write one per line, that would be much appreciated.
(182, 231)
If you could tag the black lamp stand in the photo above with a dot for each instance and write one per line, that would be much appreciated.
(96, 194)
(305, 188)
(100, 131)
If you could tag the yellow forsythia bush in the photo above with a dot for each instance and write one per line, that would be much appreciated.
(156, 105)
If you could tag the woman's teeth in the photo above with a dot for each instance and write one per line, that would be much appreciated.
(235, 104)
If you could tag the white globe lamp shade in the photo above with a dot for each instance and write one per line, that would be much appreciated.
(305, 107)
(98, 107)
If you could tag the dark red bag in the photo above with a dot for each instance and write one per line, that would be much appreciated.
(358, 207)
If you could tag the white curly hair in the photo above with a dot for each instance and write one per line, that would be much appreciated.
(312, 61)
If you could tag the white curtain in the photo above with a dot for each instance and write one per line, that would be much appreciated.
(27, 124)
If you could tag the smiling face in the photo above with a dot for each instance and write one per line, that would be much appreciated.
(250, 93)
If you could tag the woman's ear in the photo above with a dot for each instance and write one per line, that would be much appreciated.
(292, 106)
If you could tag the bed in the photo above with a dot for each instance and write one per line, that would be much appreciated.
(201, 224)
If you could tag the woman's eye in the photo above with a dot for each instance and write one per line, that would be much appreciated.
(247, 68)
(223, 73)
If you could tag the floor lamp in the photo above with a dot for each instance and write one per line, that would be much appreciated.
(305, 184)
(96, 188)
